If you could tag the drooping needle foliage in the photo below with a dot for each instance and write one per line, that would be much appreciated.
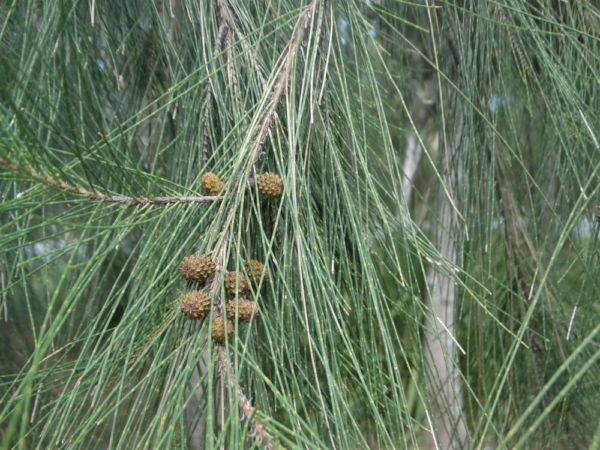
(420, 144)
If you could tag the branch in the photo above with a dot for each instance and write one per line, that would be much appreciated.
(284, 75)
(227, 17)
(225, 368)
(95, 195)
(257, 428)
(514, 41)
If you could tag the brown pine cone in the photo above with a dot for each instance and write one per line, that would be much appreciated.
(195, 304)
(270, 185)
(255, 270)
(245, 309)
(197, 268)
(218, 330)
(230, 280)
(211, 184)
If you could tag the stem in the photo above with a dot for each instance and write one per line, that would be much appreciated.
(514, 41)
(95, 195)
(293, 47)
(248, 411)
(228, 19)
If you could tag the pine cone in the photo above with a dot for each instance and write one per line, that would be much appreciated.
(245, 310)
(230, 280)
(195, 304)
(270, 185)
(197, 268)
(598, 214)
(218, 330)
(255, 270)
(211, 184)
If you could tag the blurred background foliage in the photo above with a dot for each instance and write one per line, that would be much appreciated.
(421, 144)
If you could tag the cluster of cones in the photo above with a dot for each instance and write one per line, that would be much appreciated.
(199, 268)
(197, 304)
(268, 184)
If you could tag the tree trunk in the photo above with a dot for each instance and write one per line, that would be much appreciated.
(440, 347)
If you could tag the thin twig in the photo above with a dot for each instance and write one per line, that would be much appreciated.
(284, 75)
(3, 287)
(514, 41)
(231, 72)
(227, 17)
(95, 195)
(258, 430)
